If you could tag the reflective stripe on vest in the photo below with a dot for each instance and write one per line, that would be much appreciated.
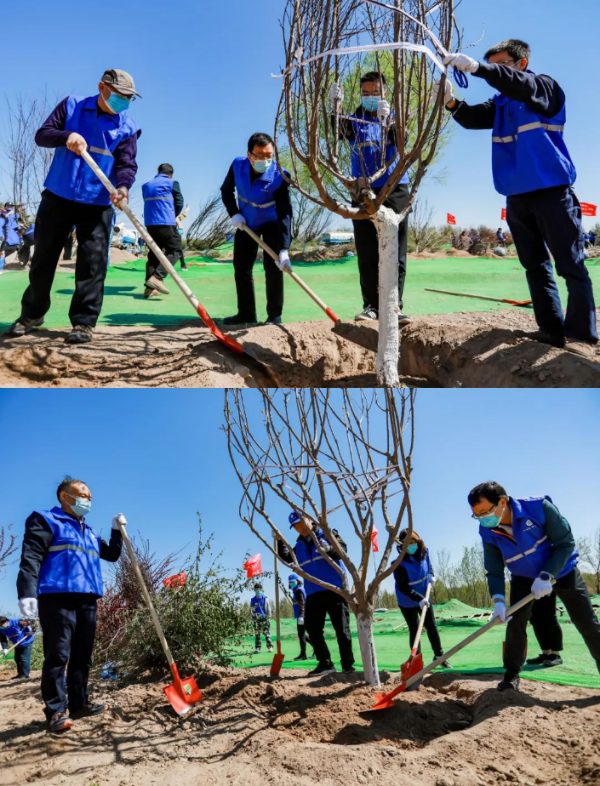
(418, 581)
(528, 552)
(266, 204)
(74, 548)
(255, 192)
(101, 151)
(151, 199)
(528, 127)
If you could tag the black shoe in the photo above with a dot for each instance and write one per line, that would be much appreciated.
(539, 661)
(322, 669)
(80, 334)
(349, 670)
(273, 321)
(88, 709)
(543, 338)
(511, 681)
(553, 660)
(446, 665)
(403, 319)
(59, 722)
(239, 319)
(368, 315)
(302, 656)
(22, 326)
(21, 677)
(184, 266)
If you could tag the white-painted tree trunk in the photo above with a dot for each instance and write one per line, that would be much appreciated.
(367, 647)
(388, 347)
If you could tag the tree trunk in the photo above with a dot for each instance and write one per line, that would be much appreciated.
(388, 347)
(364, 623)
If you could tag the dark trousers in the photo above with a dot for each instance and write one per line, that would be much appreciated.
(412, 616)
(318, 606)
(23, 660)
(54, 222)
(68, 623)
(302, 638)
(68, 248)
(25, 250)
(573, 593)
(545, 625)
(367, 250)
(244, 257)
(168, 239)
(544, 223)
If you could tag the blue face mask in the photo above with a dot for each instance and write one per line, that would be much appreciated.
(491, 521)
(117, 103)
(412, 549)
(293, 584)
(257, 593)
(262, 166)
(82, 506)
(370, 103)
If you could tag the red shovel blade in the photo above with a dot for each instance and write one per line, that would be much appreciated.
(412, 666)
(386, 700)
(276, 665)
(182, 694)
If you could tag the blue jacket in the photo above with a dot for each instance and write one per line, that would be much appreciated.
(259, 607)
(14, 632)
(73, 560)
(255, 198)
(298, 588)
(159, 202)
(529, 551)
(528, 149)
(418, 572)
(69, 176)
(367, 150)
(29, 232)
(11, 229)
(315, 564)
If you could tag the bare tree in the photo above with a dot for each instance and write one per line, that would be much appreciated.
(8, 546)
(309, 220)
(328, 41)
(329, 456)
(589, 551)
(211, 226)
(424, 234)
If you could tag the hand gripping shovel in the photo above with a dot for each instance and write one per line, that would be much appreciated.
(347, 330)
(182, 694)
(10, 649)
(228, 341)
(415, 663)
(386, 700)
(278, 659)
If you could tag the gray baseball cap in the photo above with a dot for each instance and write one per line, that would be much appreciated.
(121, 81)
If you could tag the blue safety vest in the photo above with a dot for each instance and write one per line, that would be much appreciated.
(419, 572)
(73, 560)
(12, 236)
(528, 149)
(69, 176)
(526, 553)
(367, 151)
(255, 197)
(258, 606)
(29, 231)
(295, 603)
(315, 564)
(14, 633)
(159, 203)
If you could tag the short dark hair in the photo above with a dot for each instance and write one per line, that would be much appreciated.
(3, 620)
(259, 139)
(66, 483)
(373, 76)
(518, 50)
(491, 490)
(165, 169)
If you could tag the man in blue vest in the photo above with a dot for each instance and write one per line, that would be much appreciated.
(261, 618)
(263, 204)
(533, 540)
(296, 587)
(364, 133)
(61, 580)
(533, 169)
(25, 250)
(73, 195)
(11, 234)
(18, 632)
(163, 202)
(321, 602)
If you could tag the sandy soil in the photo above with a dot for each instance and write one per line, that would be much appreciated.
(252, 731)
(455, 350)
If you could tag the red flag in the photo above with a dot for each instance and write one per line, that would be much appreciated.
(374, 535)
(253, 566)
(588, 209)
(176, 581)
(451, 219)
(503, 216)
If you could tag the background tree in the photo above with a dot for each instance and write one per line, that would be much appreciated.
(589, 551)
(211, 226)
(322, 453)
(8, 546)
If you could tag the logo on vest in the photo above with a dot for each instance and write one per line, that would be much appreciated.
(529, 524)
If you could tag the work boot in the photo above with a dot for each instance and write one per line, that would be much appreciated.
(302, 656)
(543, 338)
(368, 315)
(584, 349)
(553, 660)
(155, 283)
(59, 722)
(273, 321)
(403, 319)
(148, 293)
(511, 681)
(80, 334)
(22, 326)
(326, 667)
(239, 319)
(88, 709)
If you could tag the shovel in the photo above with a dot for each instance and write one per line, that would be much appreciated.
(235, 346)
(363, 336)
(182, 694)
(10, 649)
(279, 656)
(522, 303)
(415, 663)
(386, 700)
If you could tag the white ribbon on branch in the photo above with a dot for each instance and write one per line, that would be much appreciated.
(436, 42)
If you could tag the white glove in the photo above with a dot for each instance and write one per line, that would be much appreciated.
(4, 651)
(432, 580)
(28, 607)
(284, 261)
(541, 588)
(424, 602)
(238, 220)
(383, 111)
(462, 63)
(499, 611)
(300, 620)
(448, 92)
(118, 518)
(336, 97)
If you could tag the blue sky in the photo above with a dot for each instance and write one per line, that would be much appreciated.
(160, 456)
(204, 72)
